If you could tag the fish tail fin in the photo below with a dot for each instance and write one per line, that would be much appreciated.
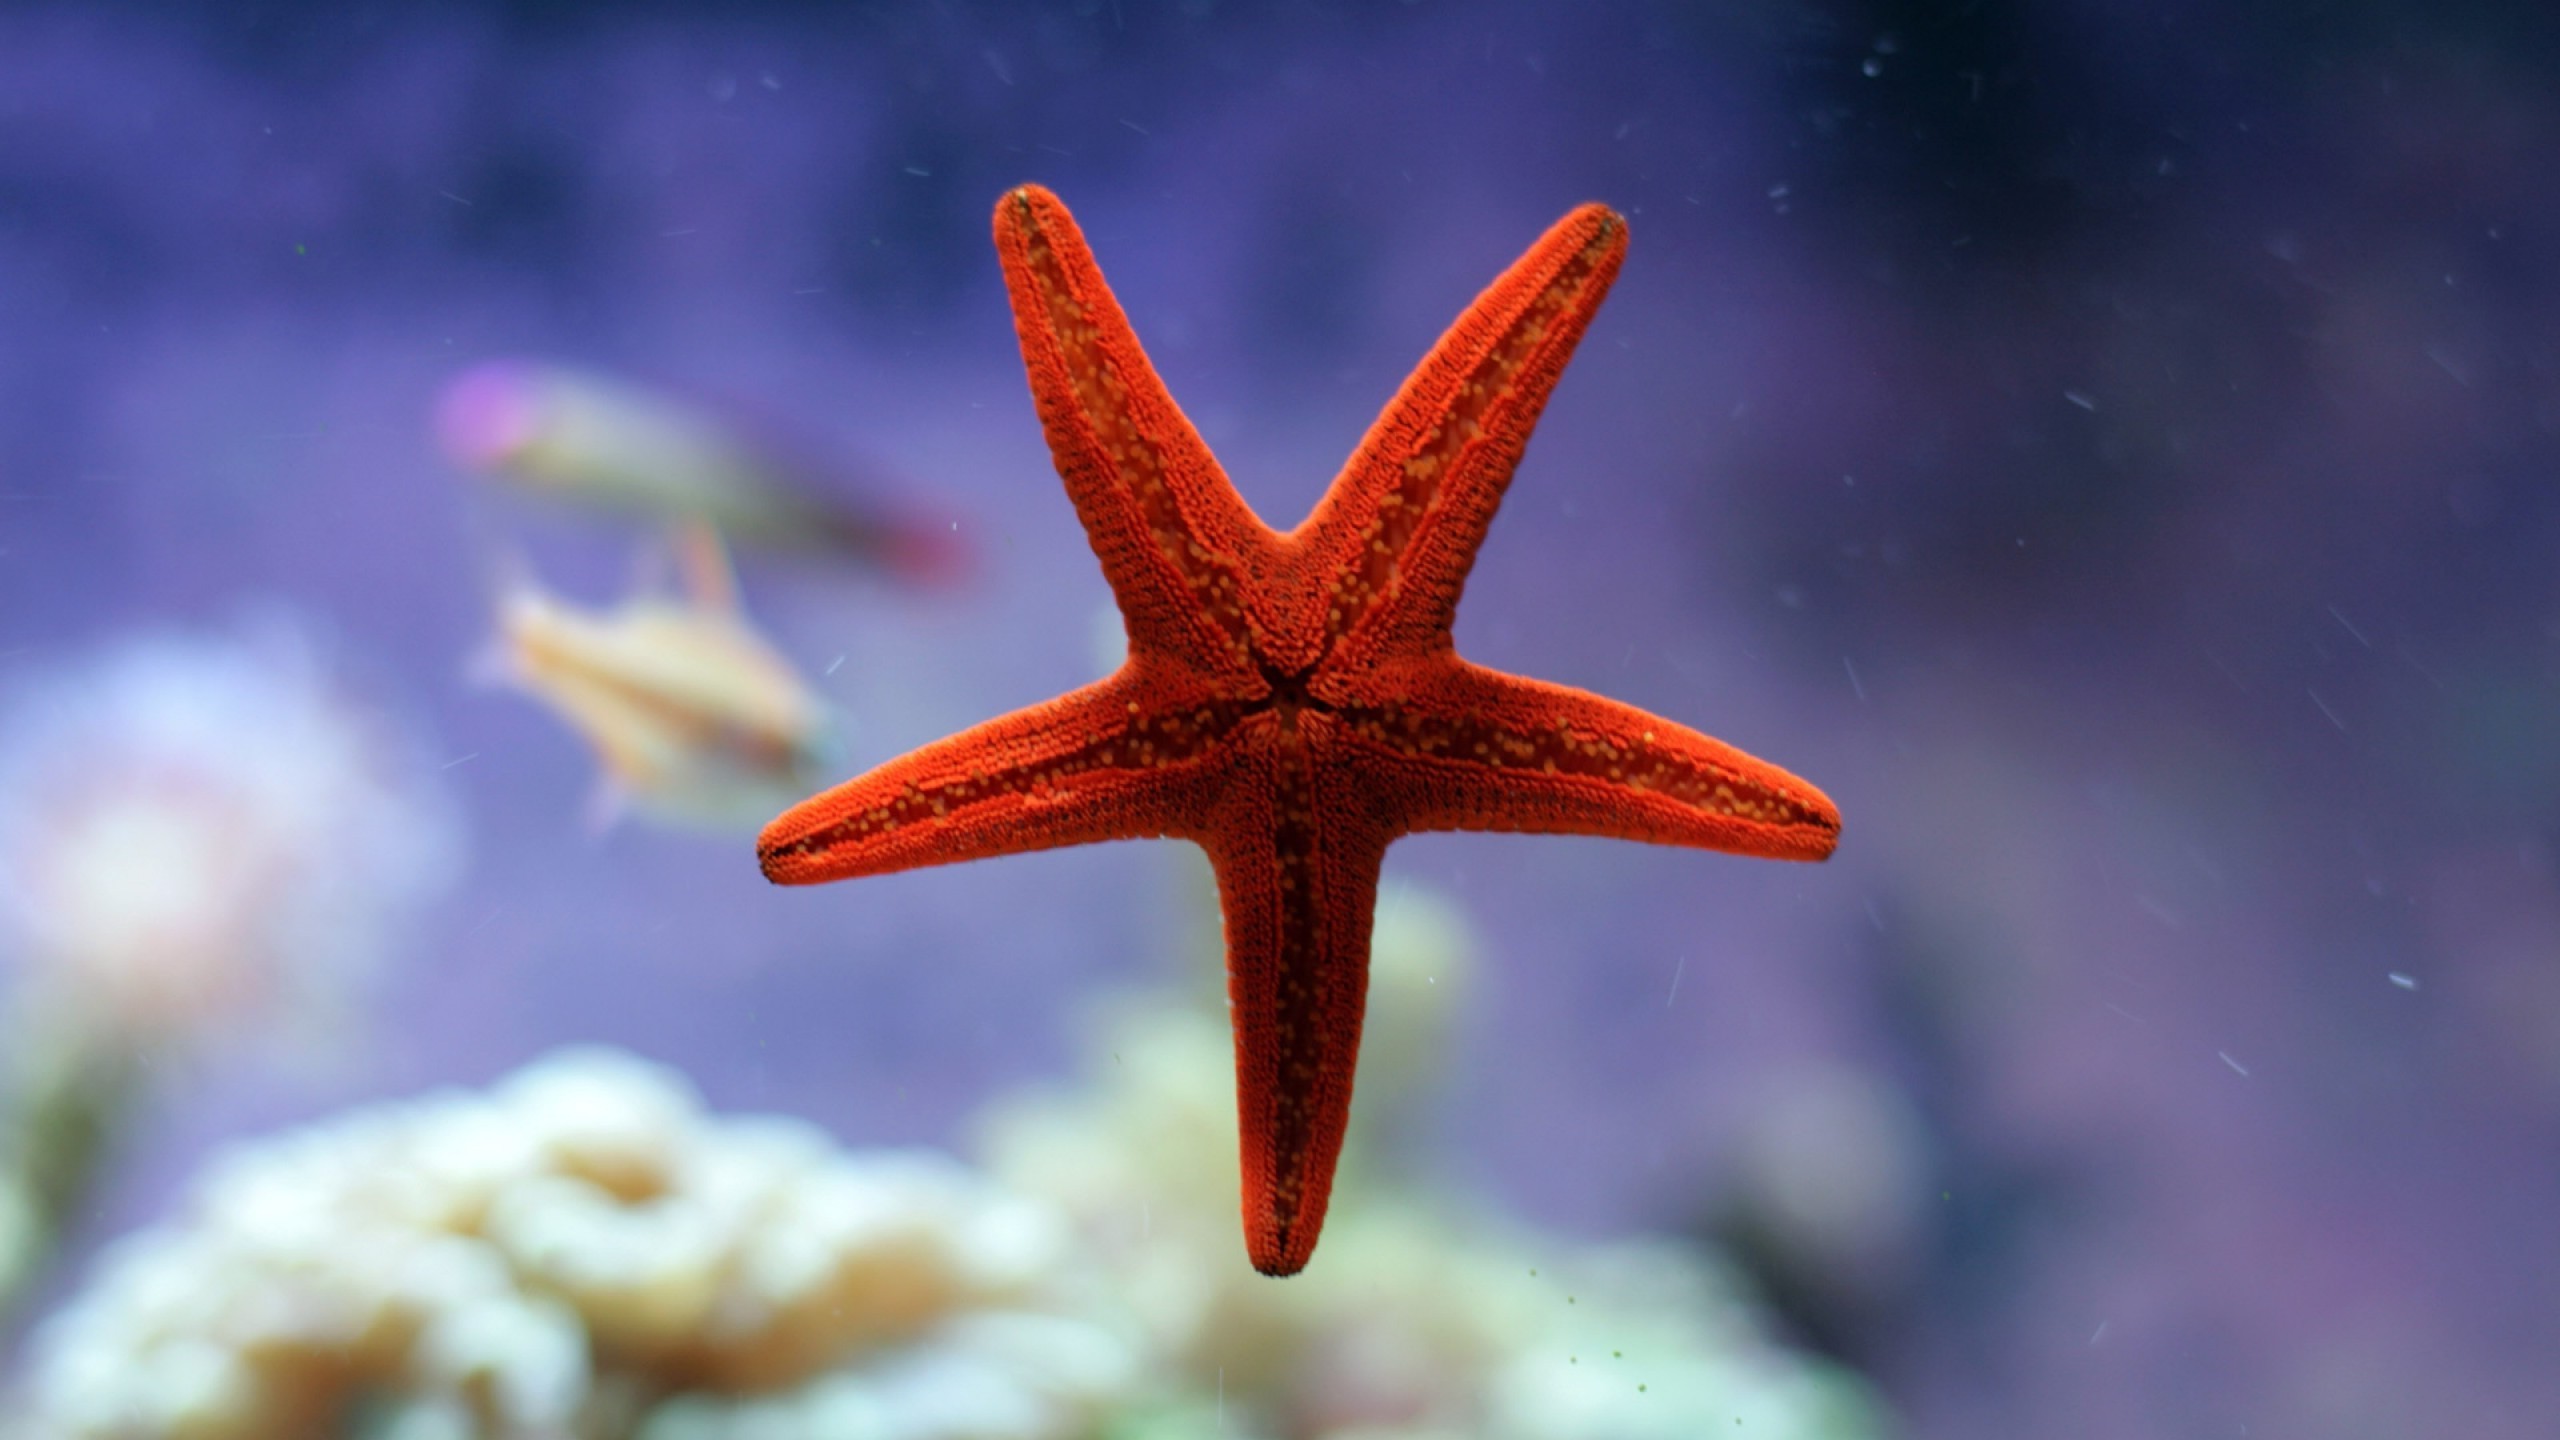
(508, 579)
(922, 550)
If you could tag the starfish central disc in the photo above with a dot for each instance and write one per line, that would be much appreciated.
(1292, 702)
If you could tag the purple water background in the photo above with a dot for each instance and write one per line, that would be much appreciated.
(2110, 448)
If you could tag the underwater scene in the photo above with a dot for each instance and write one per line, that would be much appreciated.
(1834, 720)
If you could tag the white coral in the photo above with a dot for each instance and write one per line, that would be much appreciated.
(1419, 1319)
(194, 829)
(584, 1252)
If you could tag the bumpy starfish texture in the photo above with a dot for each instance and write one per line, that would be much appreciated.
(1292, 702)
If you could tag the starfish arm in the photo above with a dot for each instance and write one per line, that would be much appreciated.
(1296, 852)
(1394, 537)
(1171, 531)
(1112, 761)
(1467, 748)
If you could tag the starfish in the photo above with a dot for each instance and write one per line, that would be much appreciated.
(1293, 702)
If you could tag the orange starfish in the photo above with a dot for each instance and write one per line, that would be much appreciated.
(1292, 703)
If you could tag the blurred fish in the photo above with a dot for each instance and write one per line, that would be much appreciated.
(694, 717)
(599, 441)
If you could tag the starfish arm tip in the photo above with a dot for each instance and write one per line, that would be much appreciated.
(1278, 1249)
(1820, 827)
(775, 857)
(1017, 206)
(1607, 225)
(784, 851)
